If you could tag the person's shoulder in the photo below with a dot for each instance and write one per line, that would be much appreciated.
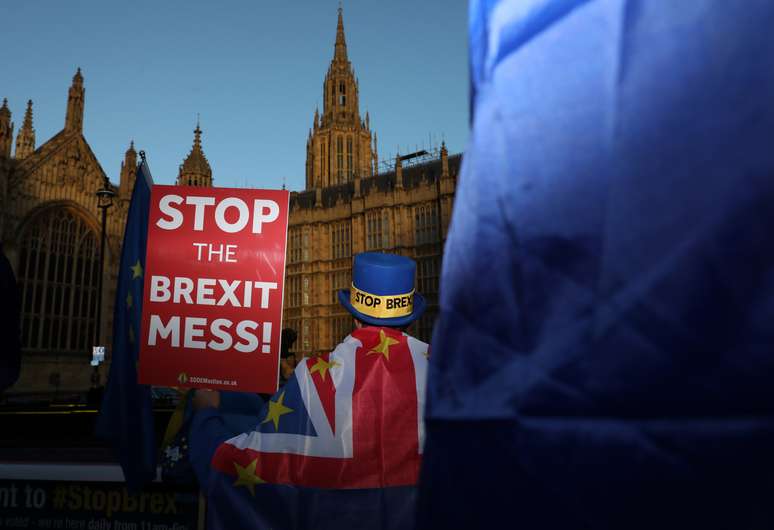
(417, 346)
(376, 335)
(414, 340)
(349, 342)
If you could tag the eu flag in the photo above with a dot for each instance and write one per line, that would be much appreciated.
(126, 417)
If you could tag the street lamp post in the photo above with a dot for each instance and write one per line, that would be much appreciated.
(104, 201)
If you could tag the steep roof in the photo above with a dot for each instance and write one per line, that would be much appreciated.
(51, 148)
(196, 163)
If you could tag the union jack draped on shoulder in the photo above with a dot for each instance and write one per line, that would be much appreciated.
(350, 419)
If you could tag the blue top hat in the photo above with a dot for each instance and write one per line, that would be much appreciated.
(382, 292)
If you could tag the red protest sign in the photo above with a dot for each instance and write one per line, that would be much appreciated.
(212, 303)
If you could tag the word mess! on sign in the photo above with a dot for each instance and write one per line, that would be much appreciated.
(214, 278)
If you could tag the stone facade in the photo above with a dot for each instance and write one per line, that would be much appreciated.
(405, 211)
(50, 229)
(339, 142)
(349, 207)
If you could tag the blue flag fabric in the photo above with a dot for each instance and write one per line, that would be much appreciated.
(126, 415)
(298, 508)
(617, 193)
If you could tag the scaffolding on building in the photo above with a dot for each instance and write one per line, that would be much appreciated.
(418, 157)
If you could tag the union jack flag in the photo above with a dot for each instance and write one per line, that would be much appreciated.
(347, 420)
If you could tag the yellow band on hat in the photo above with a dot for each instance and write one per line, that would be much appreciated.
(382, 306)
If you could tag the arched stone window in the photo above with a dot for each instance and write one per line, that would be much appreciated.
(58, 273)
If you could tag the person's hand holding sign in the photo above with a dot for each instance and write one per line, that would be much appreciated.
(206, 399)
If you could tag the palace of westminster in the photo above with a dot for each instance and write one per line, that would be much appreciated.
(50, 227)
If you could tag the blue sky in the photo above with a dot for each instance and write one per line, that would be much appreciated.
(253, 70)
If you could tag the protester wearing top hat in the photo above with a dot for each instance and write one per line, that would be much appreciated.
(383, 302)
(382, 292)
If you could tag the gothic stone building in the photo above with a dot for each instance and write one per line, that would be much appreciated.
(50, 227)
(348, 207)
(50, 231)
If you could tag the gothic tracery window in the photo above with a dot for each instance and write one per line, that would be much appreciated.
(324, 162)
(58, 273)
(350, 171)
(377, 230)
(294, 245)
(341, 241)
(339, 159)
(294, 292)
(427, 283)
(426, 224)
(341, 279)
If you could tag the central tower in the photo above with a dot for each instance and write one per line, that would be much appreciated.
(339, 146)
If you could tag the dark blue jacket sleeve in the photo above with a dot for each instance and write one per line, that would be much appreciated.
(208, 430)
(239, 412)
(614, 370)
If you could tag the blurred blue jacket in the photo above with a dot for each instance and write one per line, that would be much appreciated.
(616, 368)
(238, 412)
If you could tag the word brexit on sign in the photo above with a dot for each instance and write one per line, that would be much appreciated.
(212, 304)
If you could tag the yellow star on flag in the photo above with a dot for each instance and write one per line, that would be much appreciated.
(246, 477)
(276, 410)
(323, 366)
(384, 345)
(129, 300)
(136, 270)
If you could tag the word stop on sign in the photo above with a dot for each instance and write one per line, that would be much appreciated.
(263, 211)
